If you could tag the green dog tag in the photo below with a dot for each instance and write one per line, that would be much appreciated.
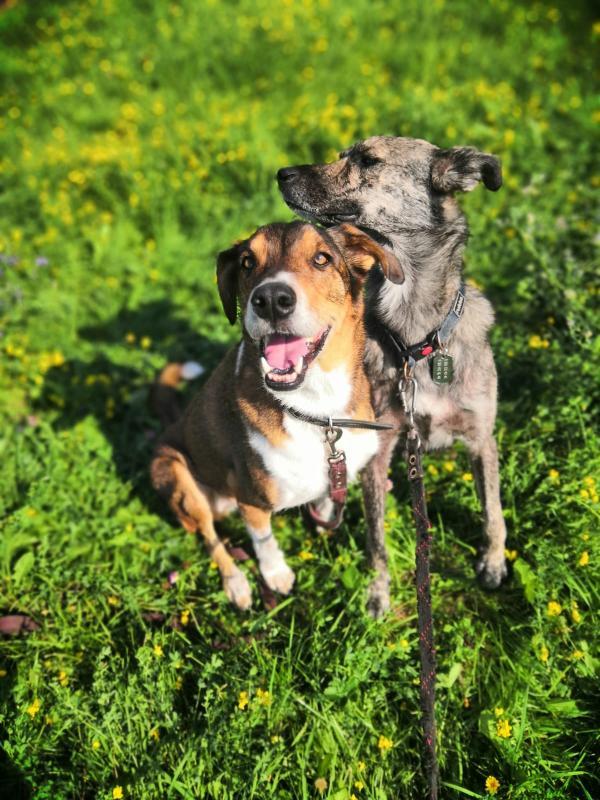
(442, 370)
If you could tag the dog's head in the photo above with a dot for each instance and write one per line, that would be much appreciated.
(295, 284)
(388, 184)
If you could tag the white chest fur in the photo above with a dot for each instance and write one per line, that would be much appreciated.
(299, 466)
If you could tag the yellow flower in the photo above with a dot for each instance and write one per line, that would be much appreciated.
(544, 654)
(154, 734)
(359, 785)
(554, 608)
(185, 616)
(3, 673)
(432, 470)
(449, 466)
(243, 700)
(158, 651)
(95, 744)
(264, 697)
(361, 766)
(117, 793)
(305, 555)
(589, 481)
(511, 555)
(33, 709)
(321, 785)
(130, 337)
(578, 654)
(537, 343)
(554, 475)
(112, 600)
(498, 711)
(584, 559)
(384, 743)
(467, 476)
(492, 784)
(503, 728)
(575, 614)
(63, 678)
(145, 342)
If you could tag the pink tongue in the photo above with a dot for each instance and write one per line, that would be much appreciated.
(284, 351)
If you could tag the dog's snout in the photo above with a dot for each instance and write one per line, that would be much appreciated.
(273, 301)
(287, 175)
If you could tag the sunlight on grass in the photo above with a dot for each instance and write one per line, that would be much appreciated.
(139, 139)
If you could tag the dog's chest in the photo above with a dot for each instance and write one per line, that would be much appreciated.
(439, 417)
(299, 465)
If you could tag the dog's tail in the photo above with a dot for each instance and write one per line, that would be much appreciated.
(164, 397)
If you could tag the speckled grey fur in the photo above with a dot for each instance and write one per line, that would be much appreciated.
(402, 190)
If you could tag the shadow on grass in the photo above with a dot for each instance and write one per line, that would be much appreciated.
(13, 783)
(116, 393)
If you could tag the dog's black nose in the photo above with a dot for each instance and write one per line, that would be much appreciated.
(273, 301)
(287, 175)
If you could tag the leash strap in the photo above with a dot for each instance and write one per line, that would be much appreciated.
(424, 615)
(408, 393)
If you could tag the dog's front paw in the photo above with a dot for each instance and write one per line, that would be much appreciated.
(279, 578)
(378, 598)
(238, 590)
(491, 569)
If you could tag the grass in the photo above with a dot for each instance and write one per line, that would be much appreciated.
(141, 138)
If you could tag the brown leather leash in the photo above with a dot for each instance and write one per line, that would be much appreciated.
(423, 583)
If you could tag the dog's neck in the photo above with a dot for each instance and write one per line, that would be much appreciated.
(432, 263)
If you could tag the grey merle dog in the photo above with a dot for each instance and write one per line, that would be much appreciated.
(402, 192)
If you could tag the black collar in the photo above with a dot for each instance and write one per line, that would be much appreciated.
(435, 340)
(328, 422)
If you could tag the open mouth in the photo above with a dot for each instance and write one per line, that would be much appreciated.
(286, 358)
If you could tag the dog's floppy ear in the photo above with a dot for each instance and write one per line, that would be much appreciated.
(459, 169)
(228, 264)
(362, 253)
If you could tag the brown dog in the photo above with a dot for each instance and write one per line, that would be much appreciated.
(241, 444)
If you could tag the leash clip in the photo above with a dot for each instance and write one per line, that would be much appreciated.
(408, 383)
(333, 435)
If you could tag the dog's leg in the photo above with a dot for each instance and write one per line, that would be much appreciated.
(276, 573)
(374, 485)
(491, 567)
(172, 478)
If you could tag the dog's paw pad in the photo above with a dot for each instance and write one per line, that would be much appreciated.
(238, 590)
(491, 571)
(378, 599)
(280, 579)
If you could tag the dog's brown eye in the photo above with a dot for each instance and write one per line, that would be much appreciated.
(247, 261)
(322, 259)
